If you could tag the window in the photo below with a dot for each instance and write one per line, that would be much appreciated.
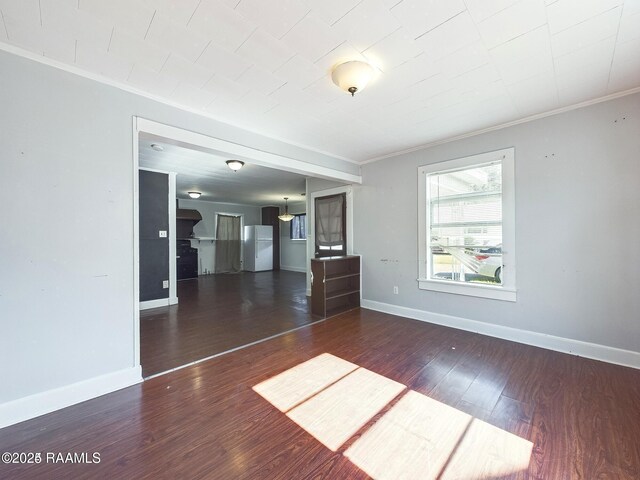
(466, 229)
(331, 231)
(298, 227)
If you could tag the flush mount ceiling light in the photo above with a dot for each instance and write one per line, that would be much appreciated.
(352, 76)
(156, 147)
(235, 165)
(286, 216)
(194, 194)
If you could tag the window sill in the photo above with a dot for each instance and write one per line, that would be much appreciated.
(298, 239)
(483, 291)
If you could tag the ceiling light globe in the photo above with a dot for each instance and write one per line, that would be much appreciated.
(235, 165)
(352, 76)
(194, 194)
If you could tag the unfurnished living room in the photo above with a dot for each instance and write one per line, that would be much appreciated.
(296, 239)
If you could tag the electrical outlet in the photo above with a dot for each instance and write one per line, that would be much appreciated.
(165, 284)
(395, 290)
(162, 233)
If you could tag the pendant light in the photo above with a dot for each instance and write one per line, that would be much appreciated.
(286, 216)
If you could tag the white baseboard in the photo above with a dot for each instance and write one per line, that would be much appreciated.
(293, 269)
(161, 302)
(595, 351)
(38, 404)
(173, 301)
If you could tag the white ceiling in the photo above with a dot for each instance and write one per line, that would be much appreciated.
(447, 67)
(209, 174)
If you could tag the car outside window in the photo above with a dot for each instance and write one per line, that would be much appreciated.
(466, 220)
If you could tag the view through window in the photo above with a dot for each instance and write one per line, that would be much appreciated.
(465, 224)
(298, 227)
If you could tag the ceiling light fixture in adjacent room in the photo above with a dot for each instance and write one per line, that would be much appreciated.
(286, 216)
(352, 76)
(157, 148)
(194, 194)
(235, 165)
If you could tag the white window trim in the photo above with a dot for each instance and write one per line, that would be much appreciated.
(507, 291)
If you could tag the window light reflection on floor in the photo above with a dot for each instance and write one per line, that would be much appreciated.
(418, 437)
(336, 414)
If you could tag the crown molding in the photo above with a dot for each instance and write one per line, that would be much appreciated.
(530, 118)
(130, 89)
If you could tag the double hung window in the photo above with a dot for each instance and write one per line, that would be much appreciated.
(467, 226)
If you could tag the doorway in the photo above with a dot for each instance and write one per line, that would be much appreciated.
(226, 306)
(228, 243)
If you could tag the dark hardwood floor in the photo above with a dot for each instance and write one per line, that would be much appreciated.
(206, 422)
(216, 313)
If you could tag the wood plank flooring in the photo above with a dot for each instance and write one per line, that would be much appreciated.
(206, 422)
(216, 313)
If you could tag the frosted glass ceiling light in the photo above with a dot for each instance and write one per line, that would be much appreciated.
(286, 216)
(194, 194)
(235, 165)
(352, 76)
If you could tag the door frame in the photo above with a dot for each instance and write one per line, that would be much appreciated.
(311, 224)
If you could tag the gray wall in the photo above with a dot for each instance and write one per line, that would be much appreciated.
(577, 226)
(293, 253)
(66, 196)
(207, 227)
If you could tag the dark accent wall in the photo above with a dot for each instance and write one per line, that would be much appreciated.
(270, 217)
(154, 251)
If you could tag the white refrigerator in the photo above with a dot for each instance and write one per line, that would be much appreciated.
(258, 248)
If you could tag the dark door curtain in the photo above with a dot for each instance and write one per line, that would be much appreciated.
(228, 244)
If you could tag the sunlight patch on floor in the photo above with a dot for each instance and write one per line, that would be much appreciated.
(487, 452)
(334, 415)
(421, 438)
(417, 438)
(413, 440)
(293, 386)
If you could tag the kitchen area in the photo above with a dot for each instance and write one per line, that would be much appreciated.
(204, 245)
